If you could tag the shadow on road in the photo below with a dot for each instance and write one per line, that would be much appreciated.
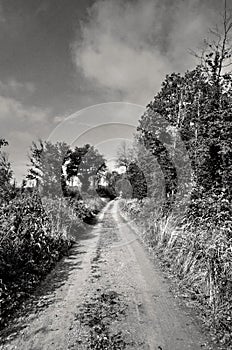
(44, 294)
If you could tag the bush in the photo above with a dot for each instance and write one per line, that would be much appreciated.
(34, 234)
(31, 241)
(86, 210)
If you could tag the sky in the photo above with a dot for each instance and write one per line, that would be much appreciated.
(59, 58)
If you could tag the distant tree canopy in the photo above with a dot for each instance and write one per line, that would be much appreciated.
(7, 190)
(125, 155)
(3, 142)
(106, 185)
(85, 163)
(128, 157)
(53, 165)
(46, 160)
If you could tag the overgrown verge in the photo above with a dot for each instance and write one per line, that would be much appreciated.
(200, 256)
(34, 234)
(32, 239)
(87, 210)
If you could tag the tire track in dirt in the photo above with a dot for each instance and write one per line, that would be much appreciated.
(98, 320)
(115, 299)
(165, 323)
(48, 328)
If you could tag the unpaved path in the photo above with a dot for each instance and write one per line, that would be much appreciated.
(106, 295)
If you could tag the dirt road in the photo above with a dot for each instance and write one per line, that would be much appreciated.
(107, 294)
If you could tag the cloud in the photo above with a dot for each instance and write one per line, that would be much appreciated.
(15, 89)
(129, 46)
(15, 110)
(21, 123)
(18, 149)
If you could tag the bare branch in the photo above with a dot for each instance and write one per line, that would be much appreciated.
(216, 33)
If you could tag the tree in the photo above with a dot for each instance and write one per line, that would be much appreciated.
(84, 163)
(216, 57)
(137, 181)
(125, 155)
(197, 106)
(107, 184)
(128, 157)
(6, 174)
(151, 170)
(3, 142)
(187, 104)
(154, 136)
(35, 171)
(46, 160)
(217, 60)
(123, 186)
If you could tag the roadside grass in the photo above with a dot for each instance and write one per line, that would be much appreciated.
(199, 256)
(32, 239)
(34, 234)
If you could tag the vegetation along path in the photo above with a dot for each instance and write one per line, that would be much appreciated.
(107, 294)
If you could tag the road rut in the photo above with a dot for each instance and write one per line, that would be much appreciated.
(110, 295)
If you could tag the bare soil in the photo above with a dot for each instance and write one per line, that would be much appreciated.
(107, 294)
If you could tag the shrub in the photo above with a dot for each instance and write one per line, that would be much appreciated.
(31, 241)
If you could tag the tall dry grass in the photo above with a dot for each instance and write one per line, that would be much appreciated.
(200, 256)
(34, 235)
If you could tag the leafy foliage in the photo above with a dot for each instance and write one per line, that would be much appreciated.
(31, 241)
(37, 225)
(46, 160)
(7, 188)
(193, 110)
(85, 163)
(187, 103)
(3, 142)
(137, 181)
